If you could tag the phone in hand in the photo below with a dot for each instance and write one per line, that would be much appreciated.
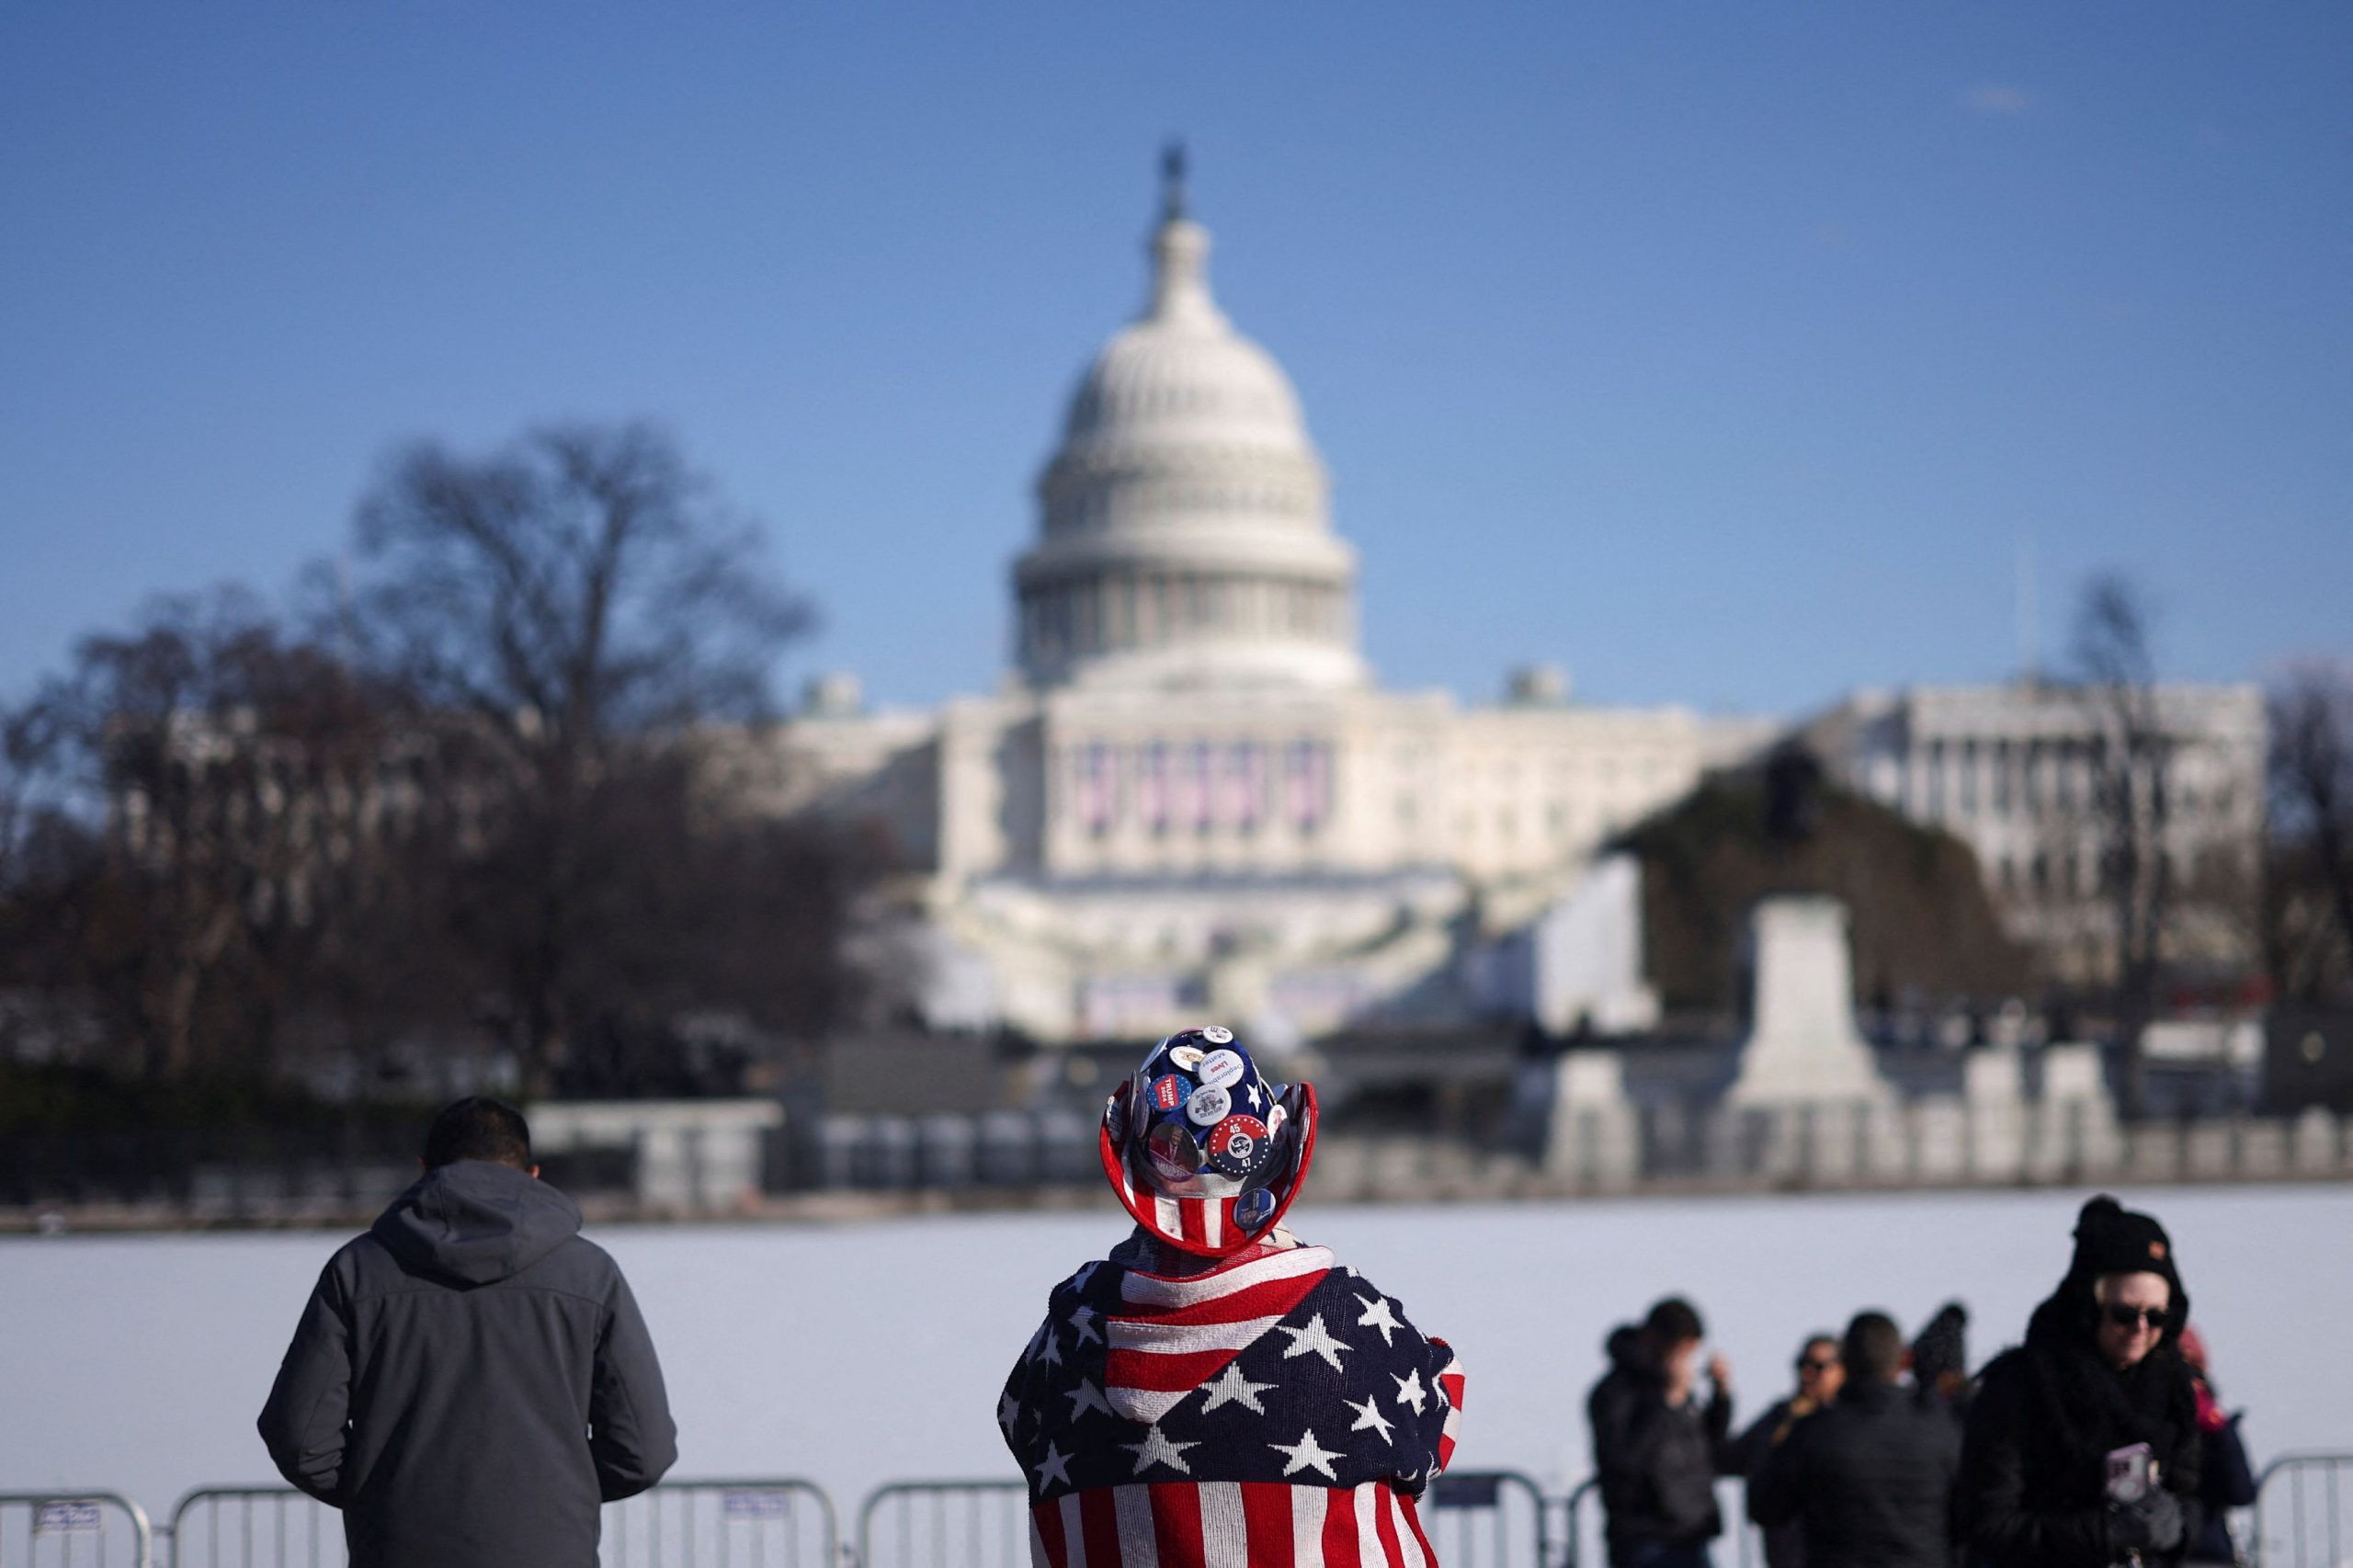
(2132, 1472)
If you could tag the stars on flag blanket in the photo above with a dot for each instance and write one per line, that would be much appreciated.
(1280, 1370)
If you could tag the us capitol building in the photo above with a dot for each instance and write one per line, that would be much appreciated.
(1194, 800)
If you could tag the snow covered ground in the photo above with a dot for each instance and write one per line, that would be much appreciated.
(861, 1354)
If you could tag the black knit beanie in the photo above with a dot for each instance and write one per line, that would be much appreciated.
(1943, 1345)
(2113, 1239)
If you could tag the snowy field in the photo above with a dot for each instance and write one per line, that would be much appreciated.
(861, 1354)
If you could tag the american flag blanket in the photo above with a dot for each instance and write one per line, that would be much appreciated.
(1274, 1410)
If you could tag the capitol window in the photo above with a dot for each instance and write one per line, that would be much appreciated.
(1151, 787)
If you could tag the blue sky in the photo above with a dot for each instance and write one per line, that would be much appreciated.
(1723, 353)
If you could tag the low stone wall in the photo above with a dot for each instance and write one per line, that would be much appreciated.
(1931, 1142)
(847, 1167)
(1935, 1142)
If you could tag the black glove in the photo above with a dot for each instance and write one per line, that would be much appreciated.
(2154, 1523)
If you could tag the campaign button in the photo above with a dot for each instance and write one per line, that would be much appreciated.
(1209, 1106)
(1173, 1155)
(1223, 1069)
(1254, 1209)
(1168, 1093)
(1187, 1057)
(1239, 1145)
(1218, 1034)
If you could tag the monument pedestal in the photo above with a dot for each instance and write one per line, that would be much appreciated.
(1803, 1048)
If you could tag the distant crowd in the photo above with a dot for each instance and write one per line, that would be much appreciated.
(2099, 1441)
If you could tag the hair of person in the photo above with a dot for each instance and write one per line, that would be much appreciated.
(1806, 1345)
(1873, 1348)
(1673, 1321)
(2106, 1283)
(477, 1128)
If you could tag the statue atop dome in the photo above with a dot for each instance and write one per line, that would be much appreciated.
(1172, 181)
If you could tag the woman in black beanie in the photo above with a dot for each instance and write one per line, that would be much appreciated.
(2082, 1449)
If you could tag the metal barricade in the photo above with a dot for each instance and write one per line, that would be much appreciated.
(723, 1524)
(1581, 1526)
(237, 1527)
(945, 1524)
(1478, 1519)
(1489, 1518)
(779, 1523)
(2304, 1512)
(71, 1529)
(1588, 1546)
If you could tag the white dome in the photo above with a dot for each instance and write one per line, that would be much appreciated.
(1181, 375)
(1186, 537)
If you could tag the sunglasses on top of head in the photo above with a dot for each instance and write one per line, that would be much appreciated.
(2130, 1317)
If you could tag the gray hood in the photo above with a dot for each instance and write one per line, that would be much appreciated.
(475, 1222)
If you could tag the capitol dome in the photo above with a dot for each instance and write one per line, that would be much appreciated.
(1186, 539)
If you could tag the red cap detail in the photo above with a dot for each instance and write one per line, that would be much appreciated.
(1197, 1218)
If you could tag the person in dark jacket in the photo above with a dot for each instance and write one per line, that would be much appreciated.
(2081, 1448)
(1868, 1481)
(1658, 1451)
(1820, 1376)
(1940, 1362)
(2229, 1474)
(470, 1378)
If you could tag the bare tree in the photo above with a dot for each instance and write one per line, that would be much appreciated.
(2311, 821)
(225, 778)
(580, 595)
(31, 747)
(2130, 803)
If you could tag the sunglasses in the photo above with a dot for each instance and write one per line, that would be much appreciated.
(1810, 1365)
(2132, 1317)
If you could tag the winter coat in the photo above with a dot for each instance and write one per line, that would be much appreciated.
(2228, 1480)
(1657, 1462)
(1270, 1407)
(1869, 1479)
(2033, 1465)
(1784, 1542)
(470, 1381)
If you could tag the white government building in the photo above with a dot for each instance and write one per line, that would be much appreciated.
(2011, 770)
(1195, 799)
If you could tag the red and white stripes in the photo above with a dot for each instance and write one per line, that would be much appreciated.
(1450, 1378)
(1173, 1334)
(1225, 1524)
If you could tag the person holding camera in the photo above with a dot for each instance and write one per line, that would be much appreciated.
(2082, 1449)
(1657, 1450)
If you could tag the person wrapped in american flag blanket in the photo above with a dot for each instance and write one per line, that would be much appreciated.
(1216, 1393)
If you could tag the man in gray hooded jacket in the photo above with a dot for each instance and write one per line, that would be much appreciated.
(472, 1379)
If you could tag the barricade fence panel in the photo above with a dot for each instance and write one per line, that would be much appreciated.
(1587, 1546)
(73, 1530)
(2302, 1519)
(1493, 1518)
(237, 1527)
(1473, 1520)
(764, 1523)
(2303, 1512)
(722, 1524)
(945, 1524)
